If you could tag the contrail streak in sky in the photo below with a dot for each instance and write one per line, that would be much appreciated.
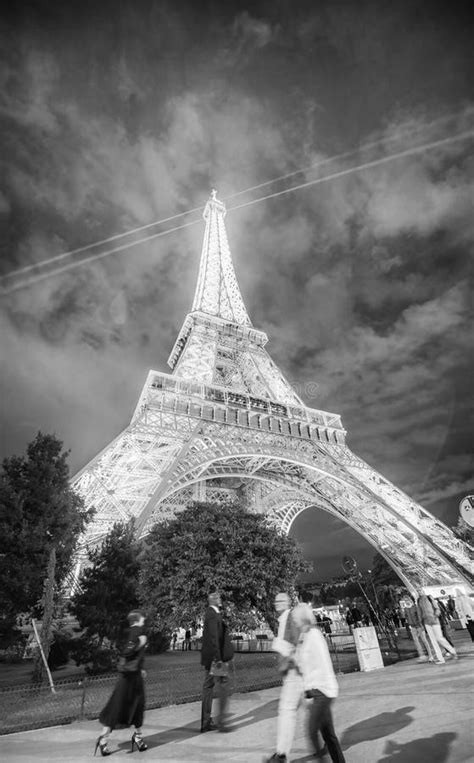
(20, 284)
(364, 166)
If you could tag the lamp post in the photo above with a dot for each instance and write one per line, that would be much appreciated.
(350, 566)
(376, 598)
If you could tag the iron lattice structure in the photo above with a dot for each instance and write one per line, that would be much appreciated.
(226, 419)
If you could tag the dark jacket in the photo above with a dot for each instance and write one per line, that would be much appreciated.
(132, 654)
(211, 638)
(216, 644)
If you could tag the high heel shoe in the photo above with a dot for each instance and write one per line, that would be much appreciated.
(102, 745)
(139, 741)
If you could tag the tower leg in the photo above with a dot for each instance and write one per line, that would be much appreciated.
(199, 491)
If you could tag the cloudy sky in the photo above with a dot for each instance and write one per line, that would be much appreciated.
(117, 114)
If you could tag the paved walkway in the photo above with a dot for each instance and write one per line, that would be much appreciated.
(410, 712)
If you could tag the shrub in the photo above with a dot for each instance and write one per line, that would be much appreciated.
(97, 657)
(59, 649)
(158, 642)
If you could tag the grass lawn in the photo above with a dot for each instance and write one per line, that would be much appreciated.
(13, 674)
(172, 678)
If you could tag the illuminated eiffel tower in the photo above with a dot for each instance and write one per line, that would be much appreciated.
(226, 416)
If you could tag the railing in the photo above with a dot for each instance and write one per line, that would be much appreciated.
(29, 706)
(224, 404)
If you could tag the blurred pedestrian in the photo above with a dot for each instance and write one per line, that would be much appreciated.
(291, 693)
(417, 632)
(126, 705)
(216, 653)
(314, 663)
(429, 617)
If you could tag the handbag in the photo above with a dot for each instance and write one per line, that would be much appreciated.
(219, 671)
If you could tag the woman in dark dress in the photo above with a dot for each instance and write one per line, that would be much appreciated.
(126, 706)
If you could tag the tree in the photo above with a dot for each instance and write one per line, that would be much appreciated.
(210, 546)
(382, 573)
(41, 519)
(108, 590)
(385, 585)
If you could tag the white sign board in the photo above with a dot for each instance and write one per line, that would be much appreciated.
(367, 648)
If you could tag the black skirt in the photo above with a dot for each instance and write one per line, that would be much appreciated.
(470, 627)
(126, 705)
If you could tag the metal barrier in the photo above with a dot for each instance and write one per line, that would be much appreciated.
(343, 652)
(29, 707)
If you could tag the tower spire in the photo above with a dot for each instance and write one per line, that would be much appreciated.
(217, 291)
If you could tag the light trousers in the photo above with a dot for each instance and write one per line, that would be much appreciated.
(420, 637)
(437, 640)
(291, 694)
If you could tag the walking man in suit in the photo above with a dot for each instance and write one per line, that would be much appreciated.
(214, 651)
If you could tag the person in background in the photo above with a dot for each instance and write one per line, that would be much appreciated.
(465, 610)
(319, 682)
(418, 632)
(326, 623)
(349, 620)
(451, 607)
(187, 640)
(216, 652)
(443, 618)
(395, 617)
(291, 693)
(429, 617)
(356, 615)
(126, 705)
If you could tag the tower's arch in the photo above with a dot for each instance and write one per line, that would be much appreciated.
(296, 484)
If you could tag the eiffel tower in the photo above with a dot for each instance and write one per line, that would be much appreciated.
(225, 421)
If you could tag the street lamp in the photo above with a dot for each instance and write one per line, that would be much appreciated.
(350, 566)
(373, 589)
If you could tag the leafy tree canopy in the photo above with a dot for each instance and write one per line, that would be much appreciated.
(213, 546)
(38, 511)
(108, 588)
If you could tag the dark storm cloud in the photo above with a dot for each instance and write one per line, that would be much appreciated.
(364, 284)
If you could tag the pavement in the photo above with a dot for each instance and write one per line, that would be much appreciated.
(411, 712)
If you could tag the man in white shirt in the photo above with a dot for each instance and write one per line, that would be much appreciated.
(319, 682)
(292, 687)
